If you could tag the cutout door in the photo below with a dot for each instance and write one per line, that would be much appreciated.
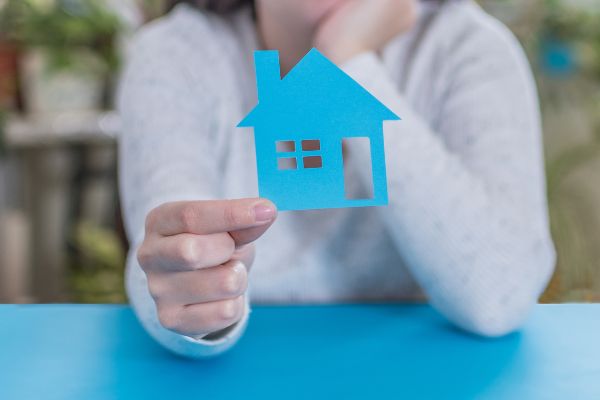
(357, 190)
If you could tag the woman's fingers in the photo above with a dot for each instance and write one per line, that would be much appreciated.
(223, 282)
(194, 254)
(185, 252)
(245, 254)
(245, 236)
(201, 319)
(205, 217)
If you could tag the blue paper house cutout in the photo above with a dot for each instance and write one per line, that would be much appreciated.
(300, 123)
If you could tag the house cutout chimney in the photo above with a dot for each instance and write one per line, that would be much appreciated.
(268, 73)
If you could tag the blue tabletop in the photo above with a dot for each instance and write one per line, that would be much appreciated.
(363, 351)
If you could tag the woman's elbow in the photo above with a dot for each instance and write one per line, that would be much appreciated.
(494, 322)
(506, 307)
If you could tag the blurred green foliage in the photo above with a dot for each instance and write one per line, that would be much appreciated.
(97, 273)
(62, 26)
(578, 26)
(571, 109)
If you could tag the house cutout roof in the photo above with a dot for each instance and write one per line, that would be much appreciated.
(314, 92)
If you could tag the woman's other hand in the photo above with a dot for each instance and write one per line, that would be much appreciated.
(196, 256)
(356, 26)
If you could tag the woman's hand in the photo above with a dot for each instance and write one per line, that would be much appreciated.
(356, 26)
(196, 256)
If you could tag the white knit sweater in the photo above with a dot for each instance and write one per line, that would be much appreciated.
(466, 224)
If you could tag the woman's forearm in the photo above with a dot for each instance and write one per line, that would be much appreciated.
(470, 218)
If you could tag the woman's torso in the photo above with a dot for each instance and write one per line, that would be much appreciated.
(308, 256)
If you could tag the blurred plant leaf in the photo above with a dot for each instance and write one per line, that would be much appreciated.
(99, 275)
(60, 26)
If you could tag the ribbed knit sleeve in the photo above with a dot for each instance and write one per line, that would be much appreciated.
(467, 198)
(167, 153)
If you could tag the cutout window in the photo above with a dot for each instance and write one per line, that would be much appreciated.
(282, 146)
(312, 162)
(298, 154)
(311, 145)
(287, 163)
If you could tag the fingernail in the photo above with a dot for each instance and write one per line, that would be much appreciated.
(264, 213)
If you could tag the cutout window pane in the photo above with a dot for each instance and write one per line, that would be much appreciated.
(283, 146)
(312, 162)
(287, 163)
(311, 145)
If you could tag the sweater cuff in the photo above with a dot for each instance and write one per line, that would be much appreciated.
(145, 309)
(199, 348)
(228, 336)
(368, 70)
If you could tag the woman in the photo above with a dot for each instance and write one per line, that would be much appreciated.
(466, 225)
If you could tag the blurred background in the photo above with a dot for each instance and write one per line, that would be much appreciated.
(61, 236)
